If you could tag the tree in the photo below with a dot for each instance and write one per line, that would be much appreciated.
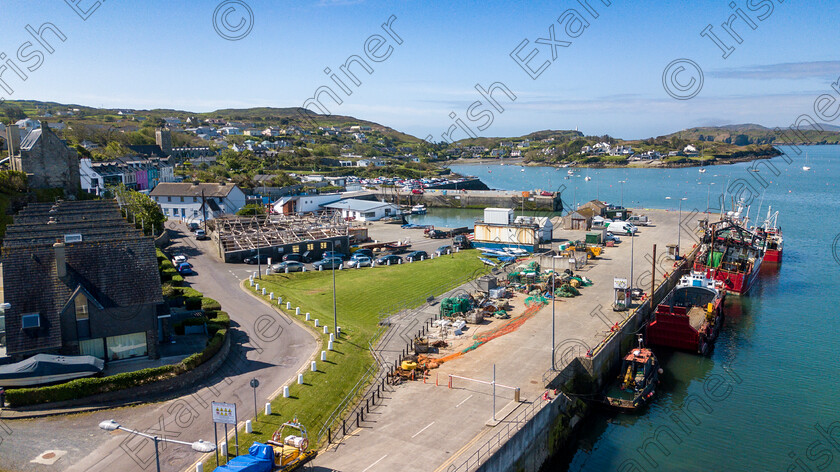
(13, 112)
(140, 208)
(251, 210)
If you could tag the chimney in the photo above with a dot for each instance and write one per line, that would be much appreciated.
(60, 259)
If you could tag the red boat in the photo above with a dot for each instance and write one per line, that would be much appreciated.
(731, 254)
(773, 248)
(690, 317)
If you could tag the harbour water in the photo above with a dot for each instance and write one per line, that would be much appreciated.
(765, 399)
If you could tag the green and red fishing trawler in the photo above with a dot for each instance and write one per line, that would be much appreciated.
(731, 254)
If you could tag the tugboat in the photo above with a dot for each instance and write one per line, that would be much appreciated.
(690, 317)
(731, 253)
(636, 381)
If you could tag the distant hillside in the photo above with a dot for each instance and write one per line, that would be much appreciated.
(560, 135)
(746, 134)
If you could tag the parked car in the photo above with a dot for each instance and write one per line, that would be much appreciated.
(293, 266)
(292, 257)
(443, 250)
(639, 220)
(262, 259)
(621, 227)
(184, 268)
(360, 261)
(200, 235)
(330, 254)
(362, 252)
(192, 226)
(309, 256)
(417, 191)
(416, 256)
(330, 263)
(178, 258)
(383, 260)
(611, 237)
(461, 241)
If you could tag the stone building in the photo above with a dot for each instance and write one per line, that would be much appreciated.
(44, 157)
(163, 138)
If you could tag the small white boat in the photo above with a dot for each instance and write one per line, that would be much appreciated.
(587, 178)
(806, 167)
(418, 209)
(515, 251)
(702, 170)
(487, 261)
(522, 170)
(571, 172)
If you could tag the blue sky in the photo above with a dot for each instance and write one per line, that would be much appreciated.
(156, 54)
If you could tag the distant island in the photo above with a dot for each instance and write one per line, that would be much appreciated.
(283, 145)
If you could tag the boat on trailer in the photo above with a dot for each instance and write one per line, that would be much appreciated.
(691, 316)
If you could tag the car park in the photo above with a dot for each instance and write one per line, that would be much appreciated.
(360, 261)
(416, 256)
(388, 258)
(293, 266)
(330, 263)
(255, 259)
(443, 250)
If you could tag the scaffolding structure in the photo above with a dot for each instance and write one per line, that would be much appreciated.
(240, 233)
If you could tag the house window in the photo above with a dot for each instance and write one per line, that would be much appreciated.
(195, 213)
(126, 346)
(195, 199)
(81, 307)
(32, 320)
(93, 347)
(310, 247)
(323, 245)
(182, 199)
(295, 248)
(169, 199)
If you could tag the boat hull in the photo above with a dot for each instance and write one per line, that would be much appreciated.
(773, 255)
(672, 326)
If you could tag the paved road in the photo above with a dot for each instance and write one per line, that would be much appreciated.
(272, 350)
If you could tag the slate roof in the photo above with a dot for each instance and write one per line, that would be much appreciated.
(357, 205)
(114, 263)
(30, 139)
(177, 189)
(151, 150)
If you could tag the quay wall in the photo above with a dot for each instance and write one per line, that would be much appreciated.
(550, 432)
(475, 199)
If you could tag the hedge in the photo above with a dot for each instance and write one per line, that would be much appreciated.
(94, 385)
(177, 280)
(208, 304)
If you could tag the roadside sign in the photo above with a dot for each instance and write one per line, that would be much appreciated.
(255, 383)
(619, 283)
(224, 412)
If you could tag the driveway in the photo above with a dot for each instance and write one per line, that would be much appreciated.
(266, 346)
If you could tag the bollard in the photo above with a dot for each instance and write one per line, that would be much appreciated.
(288, 305)
(252, 282)
(267, 409)
(330, 346)
(303, 268)
(316, 323)
(297, 310)
(338, 330)
(263, 291)
(399, 262)
(248, 427)
(257, 287)
(271, 296)
(341, 266)
(314, 367)
(307, 317)
(516, 395)
(411, 260)
(389, 262)
(199, 467)
(223, 448)
(300, 379)
(279, 301)
(323, 356)
(320, 268)
(326, 329)
(422, 258)
(332, 338)
(329, 436)
(286, 391)
(286, 270)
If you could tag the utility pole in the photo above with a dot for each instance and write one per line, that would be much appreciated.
(204, 210)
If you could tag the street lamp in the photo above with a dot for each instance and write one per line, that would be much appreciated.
(335, 310)
(198, 446)
(259, 240)
(553, 297)
(679, 225)
(622, 182)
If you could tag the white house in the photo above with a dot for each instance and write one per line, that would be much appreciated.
(300, 204)
(28, 124)
(364, 210)
(185, 200)
(230, 130)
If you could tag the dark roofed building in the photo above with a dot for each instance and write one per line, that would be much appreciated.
(79, 280)
(44, 157)
(149, 150)
(186, 201)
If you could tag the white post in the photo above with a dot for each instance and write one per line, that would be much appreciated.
(317, 324)
(271, 296)
(307, 317)
(267, 409)
(314, 367)
(422, 258)
(303, 268)
(252, 282)
(330, 346)
(263, 291)
(320, 268)
(286, 270)
(248, 427)
(389, 261)
(326, 329)
(257, 287)
(323, 356)
(332, 338)
(199, 467)
(288, 305)
(400, 261)
(297, 310)
(286, 391)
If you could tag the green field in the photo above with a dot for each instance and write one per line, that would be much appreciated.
(362, 294)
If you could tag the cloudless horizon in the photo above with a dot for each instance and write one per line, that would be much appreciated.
(606, 76)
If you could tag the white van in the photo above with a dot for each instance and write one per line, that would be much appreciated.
(621, 227)
(639, 220)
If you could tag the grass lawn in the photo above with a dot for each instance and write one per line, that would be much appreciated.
(361, 295)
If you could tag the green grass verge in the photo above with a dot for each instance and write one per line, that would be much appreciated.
(361, 295)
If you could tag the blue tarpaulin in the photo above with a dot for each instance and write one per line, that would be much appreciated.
(260, 458)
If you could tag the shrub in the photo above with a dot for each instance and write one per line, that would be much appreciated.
(170, 291)
(208, 304)
(177, 280)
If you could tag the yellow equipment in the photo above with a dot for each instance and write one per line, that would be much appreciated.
(408, 365)
(594, 251)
